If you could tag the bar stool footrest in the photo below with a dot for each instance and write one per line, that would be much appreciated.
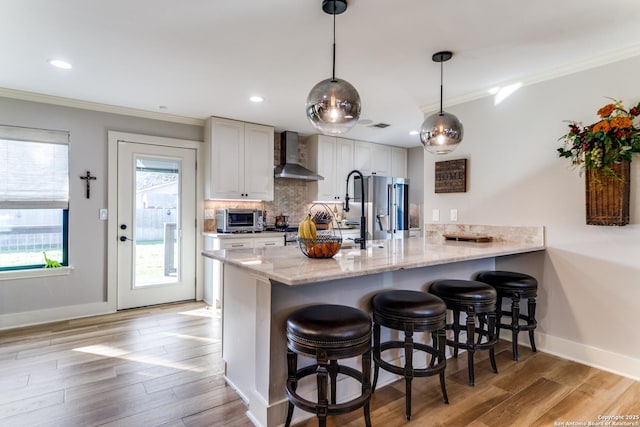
(417, 372)
(333, 409)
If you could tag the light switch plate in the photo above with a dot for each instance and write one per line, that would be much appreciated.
(435, 215)
(454, 215)
(103, 214)
(209, 214)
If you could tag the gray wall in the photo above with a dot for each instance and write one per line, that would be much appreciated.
(590, 286)
(87, 234)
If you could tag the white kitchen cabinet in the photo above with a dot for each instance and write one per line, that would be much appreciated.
(362, 157)
(399, 162)
(213, 273)
(239, 161)
(380, 159)
(268, 242)
(233, 243)
(372, 159)
(332, 158)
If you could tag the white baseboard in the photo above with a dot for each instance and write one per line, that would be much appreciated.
(587, 355)
(37, 317)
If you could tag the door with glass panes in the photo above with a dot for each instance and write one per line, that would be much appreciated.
(156, 224)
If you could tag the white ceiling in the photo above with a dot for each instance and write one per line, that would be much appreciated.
(206, 57)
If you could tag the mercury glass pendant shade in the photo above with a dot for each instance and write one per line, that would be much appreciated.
(333, 106)
(441, 133)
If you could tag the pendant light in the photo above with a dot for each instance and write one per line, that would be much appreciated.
(333, 105)
(441, 132)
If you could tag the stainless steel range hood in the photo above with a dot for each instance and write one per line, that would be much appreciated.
(289, 167)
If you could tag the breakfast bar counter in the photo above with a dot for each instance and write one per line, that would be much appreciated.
(262, 286)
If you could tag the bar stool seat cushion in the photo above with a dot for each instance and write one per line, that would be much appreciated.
(408, 305)
(463, 291)
(328, 325)
(508, 280)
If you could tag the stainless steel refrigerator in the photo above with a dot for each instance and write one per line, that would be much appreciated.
(386, 206)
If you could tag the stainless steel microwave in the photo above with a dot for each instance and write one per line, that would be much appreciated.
(238, 220)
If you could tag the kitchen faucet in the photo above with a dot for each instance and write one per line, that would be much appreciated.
(363, 220)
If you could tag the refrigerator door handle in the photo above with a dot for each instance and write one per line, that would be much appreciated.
(390, 197)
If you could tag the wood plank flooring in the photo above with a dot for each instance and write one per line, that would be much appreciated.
(162, 366)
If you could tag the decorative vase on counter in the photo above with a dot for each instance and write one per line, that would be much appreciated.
(607, 198)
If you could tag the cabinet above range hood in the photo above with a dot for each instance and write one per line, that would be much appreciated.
(289, 167)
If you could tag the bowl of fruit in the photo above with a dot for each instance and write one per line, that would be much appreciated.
(316, 244)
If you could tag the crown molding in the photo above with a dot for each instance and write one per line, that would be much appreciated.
(576, 67)
(96, 106)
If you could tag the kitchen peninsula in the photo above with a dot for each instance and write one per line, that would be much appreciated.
(262, 286)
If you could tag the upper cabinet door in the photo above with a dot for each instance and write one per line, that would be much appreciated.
(240, 160)
(399, 162)
(258, 162)
(325, 166)
(372, 159)
(380, 159)
(362, 157)
(344, 165)
(227, 159)
(332, 158)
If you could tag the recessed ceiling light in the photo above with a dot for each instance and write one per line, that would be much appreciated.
(59, 63)
(414, 132)
(256, 98)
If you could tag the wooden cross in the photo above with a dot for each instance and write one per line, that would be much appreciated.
(87, 178)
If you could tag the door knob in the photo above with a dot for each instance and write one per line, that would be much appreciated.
(124, 238)
(123, 226)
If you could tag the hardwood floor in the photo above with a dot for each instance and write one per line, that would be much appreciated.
(162, 366)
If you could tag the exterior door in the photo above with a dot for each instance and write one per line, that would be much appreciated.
(156, 224)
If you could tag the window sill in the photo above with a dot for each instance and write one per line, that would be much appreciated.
(36, 272)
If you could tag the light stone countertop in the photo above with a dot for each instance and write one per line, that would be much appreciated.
(289, 266)
(257, 235)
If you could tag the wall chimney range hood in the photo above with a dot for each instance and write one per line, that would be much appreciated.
(289, 167)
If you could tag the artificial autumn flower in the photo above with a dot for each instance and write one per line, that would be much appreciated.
(606, 110)
(598, 146)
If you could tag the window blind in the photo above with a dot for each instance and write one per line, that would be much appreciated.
(34, 168)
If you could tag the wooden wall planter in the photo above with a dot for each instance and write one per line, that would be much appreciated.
(607, 199)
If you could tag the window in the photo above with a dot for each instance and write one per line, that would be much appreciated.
(34, 197)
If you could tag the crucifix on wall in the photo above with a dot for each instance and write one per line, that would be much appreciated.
(87, 179)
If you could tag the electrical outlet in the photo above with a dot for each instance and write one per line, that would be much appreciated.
(435, 215)
(103, 214)
(209, 214)
(453, 215)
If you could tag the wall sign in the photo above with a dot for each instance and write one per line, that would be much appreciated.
(451, 176)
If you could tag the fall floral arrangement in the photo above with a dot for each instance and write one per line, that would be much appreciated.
(614, 138)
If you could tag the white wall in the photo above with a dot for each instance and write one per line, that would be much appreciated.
(41, 299)
(415, 171)
(590, 285)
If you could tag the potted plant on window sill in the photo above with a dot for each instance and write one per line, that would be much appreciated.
(603, 151)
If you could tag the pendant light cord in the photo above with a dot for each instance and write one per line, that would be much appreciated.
(441, 113)
(333, 74)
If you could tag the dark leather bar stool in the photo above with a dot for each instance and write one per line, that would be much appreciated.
(477, 300)
(516, 286)
(328, 333)
(409, 312)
